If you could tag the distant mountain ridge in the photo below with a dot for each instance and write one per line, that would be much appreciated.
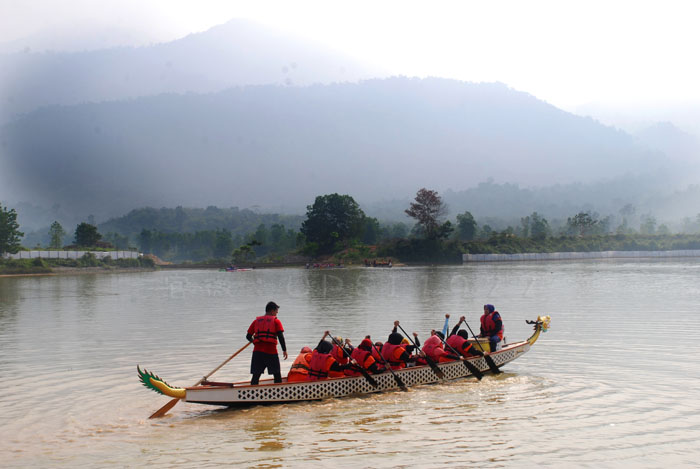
(277, 146)
(236, 53)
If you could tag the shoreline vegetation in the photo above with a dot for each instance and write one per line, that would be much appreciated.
(335, 231)
(402, 251)
(85, 264)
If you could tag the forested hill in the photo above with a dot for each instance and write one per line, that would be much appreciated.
(190, 220)
(279, 147)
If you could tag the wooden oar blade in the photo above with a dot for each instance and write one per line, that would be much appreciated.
(492, 365)
(372, 382)
(164, 410)
(473, 369)
(438, 372)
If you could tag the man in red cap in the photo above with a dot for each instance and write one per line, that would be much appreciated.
(264, 332)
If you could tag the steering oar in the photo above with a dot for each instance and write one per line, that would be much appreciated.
(164, 410)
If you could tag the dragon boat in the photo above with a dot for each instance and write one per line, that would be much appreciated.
(243, 394)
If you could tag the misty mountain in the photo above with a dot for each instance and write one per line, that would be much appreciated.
(680, 146)
(236, 53)
(280, 147)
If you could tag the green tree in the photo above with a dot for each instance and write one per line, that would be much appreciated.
(86, 235)
(466, 227)
(371, 230)
(648, 225)
(539, 227)
(56, 235)
(243, 254)
(223, 245)
(428, 210)
(331, 219)
(582, 223)
(9, 231)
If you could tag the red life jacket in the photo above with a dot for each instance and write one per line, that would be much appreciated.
(457, 342)
(319, 365)
(432, 346)
(391, 354)
(489, 326)
(363, 358)
(265, 330)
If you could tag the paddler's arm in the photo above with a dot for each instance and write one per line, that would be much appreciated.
(456, 328)
(446, 327)
(249, 337)
(280, 339)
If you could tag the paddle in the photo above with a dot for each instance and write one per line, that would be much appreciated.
(164, 410)
(362, 371)
(388, 367)
(470, 366)
(489, 361)
(438, 372)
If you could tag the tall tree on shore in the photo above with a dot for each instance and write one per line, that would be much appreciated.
(466, 226)
(56, 235)
(86, 235)
(428, 210)
(9, 231)
(331, 219)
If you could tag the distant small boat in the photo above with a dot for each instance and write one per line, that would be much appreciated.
(234, 269)
(267, 392)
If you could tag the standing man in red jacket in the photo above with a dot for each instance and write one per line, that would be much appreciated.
(264, 332)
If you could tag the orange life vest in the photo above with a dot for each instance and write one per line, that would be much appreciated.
(300, 368)
(339, 355)
(392, 354)
(320, 365)
(265, 330)
(376, 355)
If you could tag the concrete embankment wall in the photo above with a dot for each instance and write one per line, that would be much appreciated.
(72, 254)
(556, 256)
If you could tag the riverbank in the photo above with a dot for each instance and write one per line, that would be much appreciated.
(557, 256)
(84, 265)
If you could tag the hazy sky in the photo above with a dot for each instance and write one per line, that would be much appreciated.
(568, 53)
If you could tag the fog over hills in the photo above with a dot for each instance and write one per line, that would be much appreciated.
(238, 52)
(276, 146)
(245, 116)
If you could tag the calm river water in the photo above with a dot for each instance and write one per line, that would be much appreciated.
(614, 383)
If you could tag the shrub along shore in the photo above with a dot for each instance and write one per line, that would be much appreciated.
(88, 262)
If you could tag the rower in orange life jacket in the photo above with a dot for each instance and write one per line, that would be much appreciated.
(395, 353)
(434, 349)
(322, 362)
(491, 326)
(458, 340)
(339, 356)
(362, 355)
(300, 368)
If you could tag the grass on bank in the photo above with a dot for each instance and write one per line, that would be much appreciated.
(44, 266)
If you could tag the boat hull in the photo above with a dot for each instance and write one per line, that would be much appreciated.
(267, 392)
